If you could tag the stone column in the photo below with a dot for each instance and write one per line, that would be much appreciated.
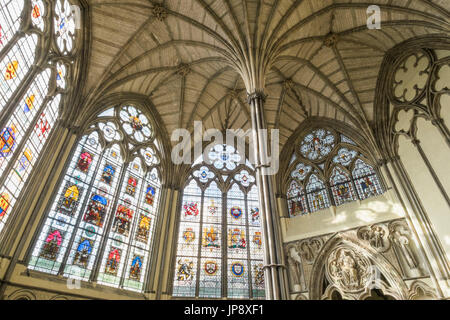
(274, 264)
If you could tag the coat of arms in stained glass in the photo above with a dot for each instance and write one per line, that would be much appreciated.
(237, 269)
(211, 238)
(113, 261)
(236, 212)
(122, 220)
(258, 275)
(42, 127)
(143, 228)
(131, 186)
(136, 267)
(108, 173)
(69, 200)
(189, 235)
(7, 141)
(11, 69)
(84, 162)
(150, 195)
(52, 244)
(254, 212)
(191, 209)
(236, 239)
(210, 267)
(4, 204)
(185, 270)
(25, 160)
(96, 210)
(257, 240)
(29, 103)
(83, 252)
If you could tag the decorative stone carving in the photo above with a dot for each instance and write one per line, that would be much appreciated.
(348, 269)
(309, 249)
(183, 69)
(295, 267)
(416, 66)
(421, 291)
(288, 84)
(401, 238)
(376, 236)
(331, 40)
(159, 12)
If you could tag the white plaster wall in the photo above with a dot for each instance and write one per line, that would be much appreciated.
(431, 198)
(347, 216)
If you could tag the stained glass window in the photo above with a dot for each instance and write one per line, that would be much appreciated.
(342, 187)
(317, 145)
(317, 194)
(220, 248)
(366, 180)
(104, 212)
(64, 26)
(30, 112)
(333, 156)
(15, 66)
(10, 20)
(296, 200)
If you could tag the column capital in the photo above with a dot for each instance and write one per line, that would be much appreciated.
(257, 94)
(73, 129)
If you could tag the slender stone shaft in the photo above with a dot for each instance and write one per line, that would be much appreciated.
(274, 269)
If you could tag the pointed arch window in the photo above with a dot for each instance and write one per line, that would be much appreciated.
(30, 95)
(105, 209)
(220, 249)
(328, 168)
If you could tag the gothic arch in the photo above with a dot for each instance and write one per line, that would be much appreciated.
(391, 282)
(22, 294)
(312, 123)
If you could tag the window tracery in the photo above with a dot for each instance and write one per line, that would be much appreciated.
(328, 169)
(101, 223)
(30, 109)
(219, 251)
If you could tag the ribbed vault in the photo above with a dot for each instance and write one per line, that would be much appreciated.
(197, 59)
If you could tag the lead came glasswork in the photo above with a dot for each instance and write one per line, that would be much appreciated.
(30, 121)
(229, 232)
(324, 153)
(104, 197)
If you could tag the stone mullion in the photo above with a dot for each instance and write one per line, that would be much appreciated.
(156, 237)
(82, 208)
(11, 44)
(172, 212)
(418, 146)
(71, 135)
(275, 279)
(249, 262)
(199, 252)
(133, 226)
(15, 99)
(21, 250)
(224, 264)
(107, 229)
(24, 196)
(24, 141)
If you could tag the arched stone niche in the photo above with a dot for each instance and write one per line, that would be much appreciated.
(347, 269)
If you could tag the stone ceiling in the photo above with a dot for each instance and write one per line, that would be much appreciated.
(197, 59)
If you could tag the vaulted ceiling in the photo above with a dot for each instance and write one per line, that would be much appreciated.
(197, 59)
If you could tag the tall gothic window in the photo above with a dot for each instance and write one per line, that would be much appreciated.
(29, 97)
(220, 249)
(327, 169)
(100, 226)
